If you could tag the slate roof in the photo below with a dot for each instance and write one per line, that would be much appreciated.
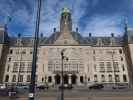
(92, 41)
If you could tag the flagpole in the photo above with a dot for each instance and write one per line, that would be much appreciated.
(36, 42)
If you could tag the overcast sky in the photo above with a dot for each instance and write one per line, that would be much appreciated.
(100, 17)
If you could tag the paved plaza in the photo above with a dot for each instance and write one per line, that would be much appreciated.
(80, 94)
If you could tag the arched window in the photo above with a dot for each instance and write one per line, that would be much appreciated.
(95, 78)
(49, 79)
(110, 78)
(124, 78)
(14, 78)
(102, 78)
(7, 78)
(81, 79)
(117, 78)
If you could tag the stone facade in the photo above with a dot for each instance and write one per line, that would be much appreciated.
(91, 59)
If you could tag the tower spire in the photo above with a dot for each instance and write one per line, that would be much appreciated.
(66, 21)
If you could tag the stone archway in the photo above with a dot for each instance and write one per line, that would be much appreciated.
(57, 79)
(65, 79)
(74, 79)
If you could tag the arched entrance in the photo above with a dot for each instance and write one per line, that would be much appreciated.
(57, 79)
(65, 79)
(73, 77)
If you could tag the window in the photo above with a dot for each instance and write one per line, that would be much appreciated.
(88, 79)
(15, 67)
(109, 68)
(94, 58)
(17, 51)
(124, 78)
(49, 79)
(7, 78)
(93, 51)
(95, 67)
(8, 68)
(102, 78)
(121, 58)
(11, 51)
(120, 51)
(29, 67)
(95, 78)
(28, 78)
(102, 68)
(88, 67)
(50, 65)
(24, 51)
(123, 68)
(110, 78)
(9, 59)
(30, 52)
(117, 78)
(81, 79)
(116, 67)
(20, 78)
(22, 67)
(14, 78)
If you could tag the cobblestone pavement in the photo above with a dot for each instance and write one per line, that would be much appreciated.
(79, 98)
(77, 95)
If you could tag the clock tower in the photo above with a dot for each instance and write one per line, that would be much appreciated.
(65, 37)
(65, 21)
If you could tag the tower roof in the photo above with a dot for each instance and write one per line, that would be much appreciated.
(65, 10)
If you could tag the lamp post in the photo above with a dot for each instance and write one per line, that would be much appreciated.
(62, 82)
(62, 64)
(36, 42)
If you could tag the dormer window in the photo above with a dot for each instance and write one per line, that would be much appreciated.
(19, 42)
(112, 39)
(99, 42)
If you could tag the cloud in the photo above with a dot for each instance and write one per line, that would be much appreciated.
(104, 25)
(86, 15)
(52, 10)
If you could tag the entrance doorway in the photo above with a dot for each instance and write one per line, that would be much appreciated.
(65, 79)
(57, 79)
(74, 78)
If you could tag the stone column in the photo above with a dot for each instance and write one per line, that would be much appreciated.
(53, 80)
(69, 79)
(78, 79)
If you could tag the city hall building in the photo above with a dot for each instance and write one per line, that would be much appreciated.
(90, 59)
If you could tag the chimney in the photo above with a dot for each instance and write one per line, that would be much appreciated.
(54, 30)
(89, 34)
(112, 34)
(77, 29)
(19, 35)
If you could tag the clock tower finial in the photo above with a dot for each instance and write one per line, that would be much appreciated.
(65, 21)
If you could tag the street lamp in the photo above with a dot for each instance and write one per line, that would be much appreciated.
(34, 60)
(62, 84)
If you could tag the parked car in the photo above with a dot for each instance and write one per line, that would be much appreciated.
(26, 87)
(96, 86)
(66, 86)
(42, 87)
(119, 86)
(2, 86)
